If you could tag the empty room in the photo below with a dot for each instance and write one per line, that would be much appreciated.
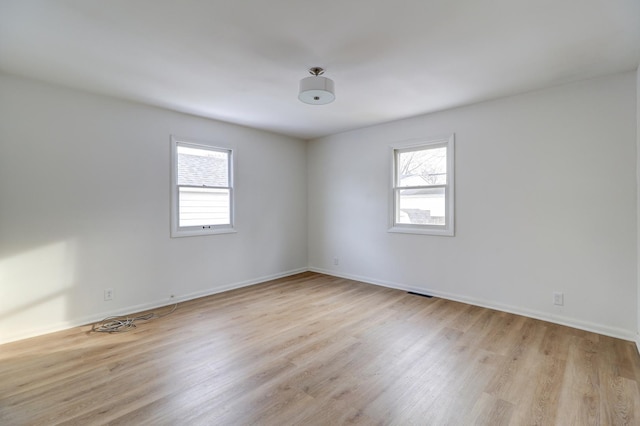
(319, 213)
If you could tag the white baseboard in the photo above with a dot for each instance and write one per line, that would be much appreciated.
(240, 284)
(570, 322)
(91, 319)
(557, 319)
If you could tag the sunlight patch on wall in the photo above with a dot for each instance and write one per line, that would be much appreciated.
(35, 286)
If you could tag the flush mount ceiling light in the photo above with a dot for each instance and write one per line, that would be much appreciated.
(316, 90)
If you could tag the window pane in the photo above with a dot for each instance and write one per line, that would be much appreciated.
(204, 206)
(422, 167)
(421, 206)
(202, 167)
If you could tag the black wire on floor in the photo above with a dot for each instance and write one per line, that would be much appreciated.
(119, 324)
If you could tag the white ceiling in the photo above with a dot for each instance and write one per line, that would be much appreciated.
(241, 61)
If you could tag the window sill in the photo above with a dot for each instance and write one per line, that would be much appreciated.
(421, 231)
(202, 232)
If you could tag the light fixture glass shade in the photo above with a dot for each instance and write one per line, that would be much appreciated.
(316, 90)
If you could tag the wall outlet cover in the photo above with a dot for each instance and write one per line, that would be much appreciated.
(558, 299)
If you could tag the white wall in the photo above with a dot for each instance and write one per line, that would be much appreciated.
(638, 199)
(84, 205)
(545, 201)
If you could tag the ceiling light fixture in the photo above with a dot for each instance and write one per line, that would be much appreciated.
(316, 90)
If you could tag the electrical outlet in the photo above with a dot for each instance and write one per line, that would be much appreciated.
(336, 261)
(558, 299)
(108, 294)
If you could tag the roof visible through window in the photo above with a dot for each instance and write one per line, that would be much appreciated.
(202, 167)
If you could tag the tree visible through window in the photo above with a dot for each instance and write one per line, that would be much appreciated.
(423, 188)
(202, 192)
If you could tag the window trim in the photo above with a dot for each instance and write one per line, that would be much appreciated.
(447, 141)
(190, 231)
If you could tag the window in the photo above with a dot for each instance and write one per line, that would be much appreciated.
(201, 189)
(422, 187)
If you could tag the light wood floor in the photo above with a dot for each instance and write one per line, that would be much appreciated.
(312, 349)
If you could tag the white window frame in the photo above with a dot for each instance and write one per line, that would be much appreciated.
(189, 231)
(436, 142)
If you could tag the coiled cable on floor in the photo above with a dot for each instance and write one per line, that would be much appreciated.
(118, 324)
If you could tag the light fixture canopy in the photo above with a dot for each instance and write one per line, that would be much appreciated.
(316, 90)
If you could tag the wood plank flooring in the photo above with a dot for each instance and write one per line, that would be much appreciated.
(317, 350)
